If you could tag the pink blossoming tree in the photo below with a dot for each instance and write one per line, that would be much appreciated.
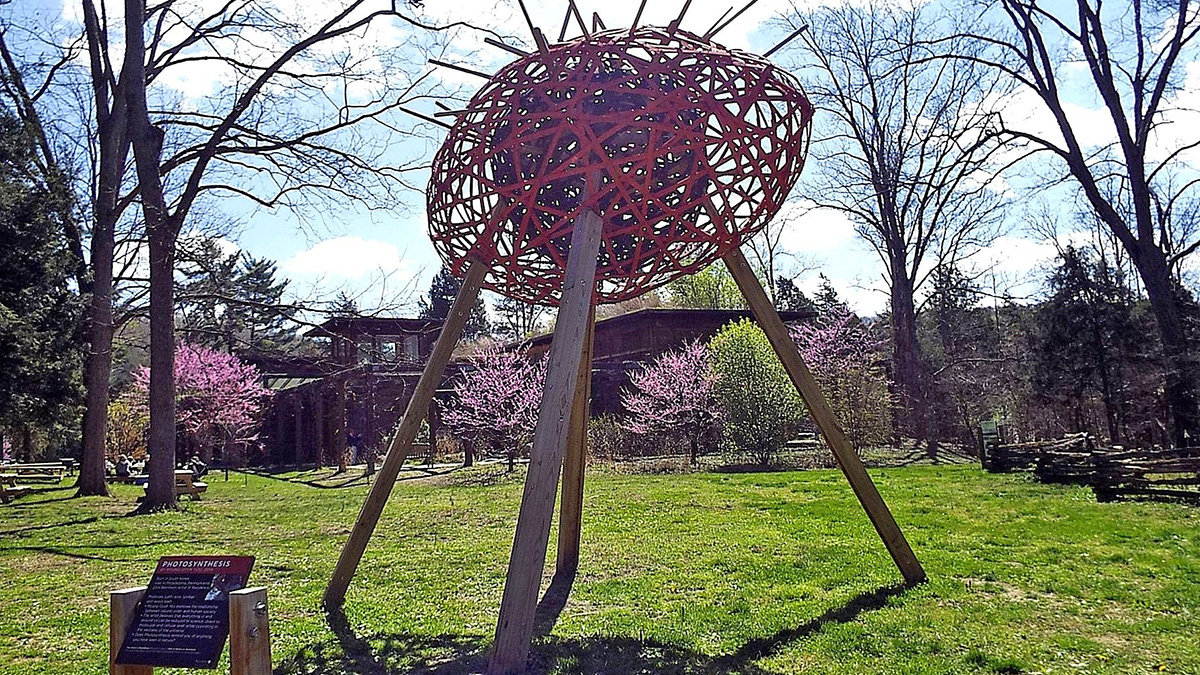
(846, 359)
(218, 400)
(675, 394)
(495, 402)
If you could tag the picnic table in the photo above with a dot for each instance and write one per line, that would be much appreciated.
(185, 485)
(9, 489)
(51, 471)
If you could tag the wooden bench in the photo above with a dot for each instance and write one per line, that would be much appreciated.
(184, 485)
(9, 490)
(51, 471)
(132, 479)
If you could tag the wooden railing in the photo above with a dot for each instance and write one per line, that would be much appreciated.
(1112, 473)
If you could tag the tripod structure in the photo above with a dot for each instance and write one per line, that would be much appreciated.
(593, 171)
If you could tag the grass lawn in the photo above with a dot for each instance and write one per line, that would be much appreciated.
(701, 573)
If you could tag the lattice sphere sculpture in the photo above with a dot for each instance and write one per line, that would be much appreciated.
(684, 147)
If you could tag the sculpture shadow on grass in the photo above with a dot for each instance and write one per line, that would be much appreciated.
(448, 654)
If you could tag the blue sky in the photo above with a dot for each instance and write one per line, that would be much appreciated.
(378, 256)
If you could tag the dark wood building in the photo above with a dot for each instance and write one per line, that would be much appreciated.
(361, 385)
(365, 378)
(625, 343)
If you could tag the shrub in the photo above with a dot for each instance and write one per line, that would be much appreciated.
(126, 433)
(761, 409)
(675, 396)
(845, 359)
(495, 402)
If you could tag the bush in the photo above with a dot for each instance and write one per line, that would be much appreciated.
(612, 441)
(845, 359)
(674, 397)
(762, 409)
(126, 434)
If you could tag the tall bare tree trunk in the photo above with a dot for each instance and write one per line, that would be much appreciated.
(97, 363)
(112, 116)
(1179, 363)
(161, 231)
(906, 356)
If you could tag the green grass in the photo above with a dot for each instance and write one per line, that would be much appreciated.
(701, 573)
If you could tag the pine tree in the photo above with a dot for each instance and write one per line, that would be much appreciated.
(231, 301)
(1087, 338)
(260, 312)
(343, 306)
(442, 291)
(827, 300)
(789, 298)
(40, 338)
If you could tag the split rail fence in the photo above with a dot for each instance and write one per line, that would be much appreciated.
(1112, 473)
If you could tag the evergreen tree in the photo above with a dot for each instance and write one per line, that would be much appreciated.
(1087, 337)
(442, 291)
(40, 338)
(827, 301)
(205, 284)
(789, 298)
(343, 306)
(260, 313)
(231, 301)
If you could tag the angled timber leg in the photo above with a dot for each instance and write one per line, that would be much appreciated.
(826, 421)
(401, 443)
(514, 628)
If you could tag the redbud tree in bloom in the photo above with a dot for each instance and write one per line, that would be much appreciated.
(495, 401)
(675, 394)
(218, 399)
(846, 359)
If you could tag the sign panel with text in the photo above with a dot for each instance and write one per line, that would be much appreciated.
(183, 620)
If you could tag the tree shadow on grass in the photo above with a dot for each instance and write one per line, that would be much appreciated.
(449, 654)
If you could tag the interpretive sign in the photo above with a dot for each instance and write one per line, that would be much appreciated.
(183, 619)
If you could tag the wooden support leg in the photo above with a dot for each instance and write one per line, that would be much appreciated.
(826, 421)
(249, 632)
(121, 606)
(401, 442)
(514, 629)
(570, 515)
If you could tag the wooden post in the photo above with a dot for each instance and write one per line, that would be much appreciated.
(298, 446)
(514, 629)
(570, 515)
(810, 391)
(401, 443)
(121, 605)
(319, 422)
(249, 632)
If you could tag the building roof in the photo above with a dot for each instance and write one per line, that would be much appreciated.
(376, 325)
(646, 332)
(680, 314)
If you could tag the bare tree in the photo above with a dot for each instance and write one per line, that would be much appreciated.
(771, 258)
(905, 149)
(1133, 56)
(290, 128)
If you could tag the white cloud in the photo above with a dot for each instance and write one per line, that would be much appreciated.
(815, 230)
(349, 258)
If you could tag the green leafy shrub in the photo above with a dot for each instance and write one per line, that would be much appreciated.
(762, 409)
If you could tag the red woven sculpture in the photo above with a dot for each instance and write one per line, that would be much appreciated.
(684, 147)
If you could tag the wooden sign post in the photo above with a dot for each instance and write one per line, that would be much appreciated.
(249, 631)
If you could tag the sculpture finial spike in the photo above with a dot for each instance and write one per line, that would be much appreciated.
(637, 17)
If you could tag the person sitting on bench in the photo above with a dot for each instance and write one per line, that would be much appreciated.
(122, 469)
(197, 466)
